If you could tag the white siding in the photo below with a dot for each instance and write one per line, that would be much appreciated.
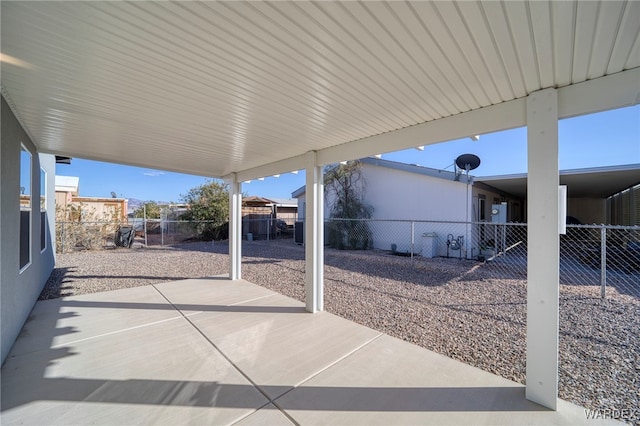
(396, 194)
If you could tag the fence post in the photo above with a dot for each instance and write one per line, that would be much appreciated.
(413, 239)
(144, 224)
(603, 262)
(62, 239)
(161, 233)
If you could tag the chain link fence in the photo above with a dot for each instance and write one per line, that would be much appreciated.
(161, 232)
(94, 235)
(267, 228)
(591, 255)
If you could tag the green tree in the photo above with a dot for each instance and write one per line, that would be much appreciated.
(209, 210)
(152, 210)
(345, 188)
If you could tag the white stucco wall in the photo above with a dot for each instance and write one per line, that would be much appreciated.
(396, 194)
(406, 196)
(19, 289)
(399, 197)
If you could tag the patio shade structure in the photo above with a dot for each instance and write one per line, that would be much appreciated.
(242, 90)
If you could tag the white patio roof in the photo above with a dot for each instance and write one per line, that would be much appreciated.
(249, 89)
(220, 87)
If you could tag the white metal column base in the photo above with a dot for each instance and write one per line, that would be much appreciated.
(314, 236)
(543, 248)
(235, 228)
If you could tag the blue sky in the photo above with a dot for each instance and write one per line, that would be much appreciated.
(605, 139)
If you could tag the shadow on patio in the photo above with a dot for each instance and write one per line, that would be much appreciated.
(228, 352)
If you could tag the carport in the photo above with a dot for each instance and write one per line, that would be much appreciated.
(587, 189)
(243, 90)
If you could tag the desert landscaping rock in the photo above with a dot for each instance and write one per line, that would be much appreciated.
(461, 309)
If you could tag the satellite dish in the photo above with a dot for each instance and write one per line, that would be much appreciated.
(468, 162)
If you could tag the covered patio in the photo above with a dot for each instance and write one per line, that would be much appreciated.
(245, 90)
(216, 351)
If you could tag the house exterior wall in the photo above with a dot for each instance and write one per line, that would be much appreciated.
(288, 214)
(302, 203)
(20, 288)
(400, 195)
(516, 207)
(107, 209)
(397, 194)
(403, 195)
(63, 199)
(74, 208)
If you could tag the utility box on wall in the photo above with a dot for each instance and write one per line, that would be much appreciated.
(499, 213)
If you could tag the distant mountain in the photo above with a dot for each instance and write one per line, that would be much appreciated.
(135, 203)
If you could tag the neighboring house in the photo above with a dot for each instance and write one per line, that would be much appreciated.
(100, 209)
(260, 216)
(409, 192)
(173, 211)
(399, 191)
(256, 205)
(282, 208)
(71, 207)
(286, 209)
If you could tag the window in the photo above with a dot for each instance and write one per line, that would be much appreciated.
(25, 208)
(43, 209)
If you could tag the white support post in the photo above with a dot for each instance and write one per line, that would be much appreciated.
(235, 228)
(543, 248)
(314, 235)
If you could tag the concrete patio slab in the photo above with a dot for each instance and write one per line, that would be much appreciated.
(390, 381)
(237, 353)
(205, 294)
(59, 321)
(164, 373)
(279, 345)
(268, 415)
(274, 310)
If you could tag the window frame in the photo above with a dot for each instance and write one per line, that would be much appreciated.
(28, 186)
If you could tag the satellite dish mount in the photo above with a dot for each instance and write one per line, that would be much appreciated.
(466, 162)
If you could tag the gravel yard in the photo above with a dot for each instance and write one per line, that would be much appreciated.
(461, 309)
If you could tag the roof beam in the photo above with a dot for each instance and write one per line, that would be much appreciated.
(283, 166)
(601, 94)
(506, 115)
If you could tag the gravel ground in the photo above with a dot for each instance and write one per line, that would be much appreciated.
(461, 309)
